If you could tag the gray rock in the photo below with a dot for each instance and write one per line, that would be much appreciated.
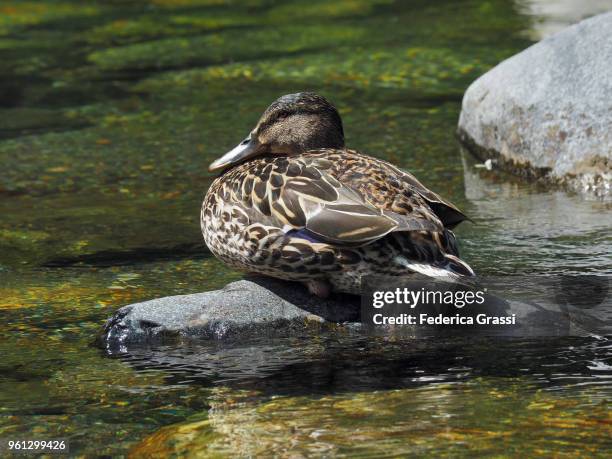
(246, 308)
(547, 111)
(257, 308)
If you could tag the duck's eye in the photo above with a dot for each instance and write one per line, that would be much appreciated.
(245, 141)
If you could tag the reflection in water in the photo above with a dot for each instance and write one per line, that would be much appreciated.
(352, 362)
(548, 232)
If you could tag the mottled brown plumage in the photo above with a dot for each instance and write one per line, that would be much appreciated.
(295, 204)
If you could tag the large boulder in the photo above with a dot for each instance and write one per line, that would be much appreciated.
(546, 112)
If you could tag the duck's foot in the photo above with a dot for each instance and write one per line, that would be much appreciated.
(320, 288)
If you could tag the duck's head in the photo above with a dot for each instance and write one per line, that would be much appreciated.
(293, 124)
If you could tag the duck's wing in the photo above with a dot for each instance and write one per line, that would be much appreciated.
(336, 213)
(298, 195)
(388, 185)
(446, 211)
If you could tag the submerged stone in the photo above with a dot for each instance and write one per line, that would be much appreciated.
(545, 112)
(441, 418)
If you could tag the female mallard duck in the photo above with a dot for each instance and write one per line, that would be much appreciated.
(295, 204)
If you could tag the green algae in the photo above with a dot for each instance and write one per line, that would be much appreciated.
(68, 229)
(158, 26)
(421, 70)
(323, 10)
(222, 47)
(16, 15)
(89, 293)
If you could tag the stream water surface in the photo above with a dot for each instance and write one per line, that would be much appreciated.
(110, 113)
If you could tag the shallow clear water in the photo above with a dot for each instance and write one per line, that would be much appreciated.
(109, 115)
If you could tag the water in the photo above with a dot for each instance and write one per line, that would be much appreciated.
(109, 115)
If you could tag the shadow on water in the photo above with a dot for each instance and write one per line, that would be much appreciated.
(330, 363)
(108, 258)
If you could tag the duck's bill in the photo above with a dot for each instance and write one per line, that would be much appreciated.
(244, 150)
